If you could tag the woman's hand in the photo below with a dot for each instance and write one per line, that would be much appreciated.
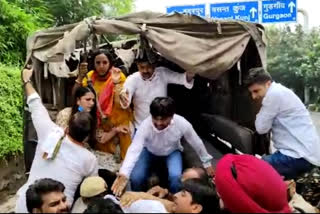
(158, 192)
(104, 137)
(122, 129)
(124, 98)
(115, 75)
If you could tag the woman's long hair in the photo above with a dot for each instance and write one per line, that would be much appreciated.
(80, 92)
(91, 60)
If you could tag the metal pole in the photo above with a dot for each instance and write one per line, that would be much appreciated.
(306, 30)
(305, 19)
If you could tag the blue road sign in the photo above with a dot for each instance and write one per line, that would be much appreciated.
(199, 9)
(245, 11)
(279, 11)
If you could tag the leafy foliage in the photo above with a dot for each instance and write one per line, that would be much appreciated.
(71, 11)
(15, 27)
(38, 9)
(11, 111)
(294, 58)
(19, 18)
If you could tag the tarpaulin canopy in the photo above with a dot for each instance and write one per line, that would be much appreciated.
(203, 46)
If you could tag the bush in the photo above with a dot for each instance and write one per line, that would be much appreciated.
(15, 26)
(11, 108)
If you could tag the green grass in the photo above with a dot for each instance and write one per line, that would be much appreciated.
(11, 110)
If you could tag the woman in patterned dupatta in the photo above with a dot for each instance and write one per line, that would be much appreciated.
(113, 121)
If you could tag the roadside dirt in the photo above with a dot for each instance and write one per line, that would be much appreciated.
(11, 179)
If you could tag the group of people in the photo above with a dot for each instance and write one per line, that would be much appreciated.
(134, 114)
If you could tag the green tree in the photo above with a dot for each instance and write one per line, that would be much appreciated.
(15, 27)
(71, 11)
(20, 18)
(38, 9)
(294, 58)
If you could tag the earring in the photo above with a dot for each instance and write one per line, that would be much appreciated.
(80, 109)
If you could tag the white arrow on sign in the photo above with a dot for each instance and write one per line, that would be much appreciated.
(291, 5)
(253, 12)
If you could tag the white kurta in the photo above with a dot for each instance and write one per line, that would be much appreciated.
(164, 142)
(142, 92)
(72, 164)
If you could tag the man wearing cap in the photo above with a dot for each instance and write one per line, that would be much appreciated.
(150, 82)
(90, 189)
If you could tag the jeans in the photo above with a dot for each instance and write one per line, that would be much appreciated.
(141, 171)
(287, 166)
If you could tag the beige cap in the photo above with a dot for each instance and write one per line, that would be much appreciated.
(92, 186)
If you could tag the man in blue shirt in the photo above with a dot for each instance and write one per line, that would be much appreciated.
(293, 133)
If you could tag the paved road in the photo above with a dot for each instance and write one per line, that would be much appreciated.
(316, 120)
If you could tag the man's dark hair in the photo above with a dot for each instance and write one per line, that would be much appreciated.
(143, 58)
(101, 205)
(80, 125)
(39, 188)
(163, 107)
(203, 176)
(201, 194)
(257, 75)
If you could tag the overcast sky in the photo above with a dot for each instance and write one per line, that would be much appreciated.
(311, 6)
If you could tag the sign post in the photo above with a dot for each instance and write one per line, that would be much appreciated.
(244, 11)
(199, 9)
(257, 11)
(279, 11)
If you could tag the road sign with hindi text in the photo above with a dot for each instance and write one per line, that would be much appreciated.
(199, 9)
(244, 11)
(279, 11)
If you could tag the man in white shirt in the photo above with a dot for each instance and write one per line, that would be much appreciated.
(60, 154)
(194, 197)
(150, 82)
(158, 138)
(293, 133)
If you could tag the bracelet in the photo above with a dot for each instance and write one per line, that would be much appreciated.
(26, 82)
